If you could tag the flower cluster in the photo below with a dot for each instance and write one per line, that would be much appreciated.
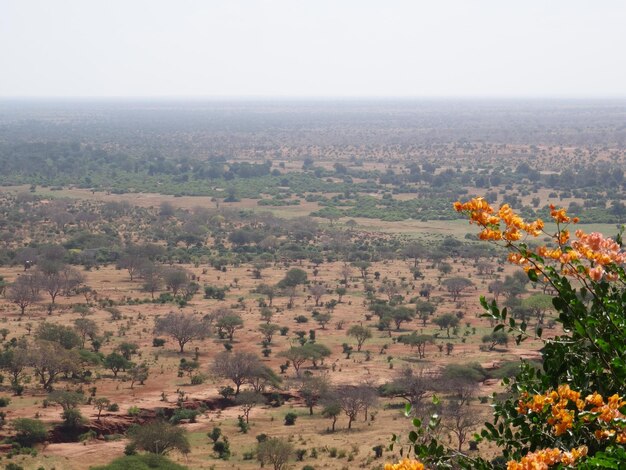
(564, 407)
(590, 255)
(405, 464)
(545, 458)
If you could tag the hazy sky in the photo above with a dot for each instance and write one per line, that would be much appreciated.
(228, 48)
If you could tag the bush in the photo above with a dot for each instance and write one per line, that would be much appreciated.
(183, 414)
(198, 379)
(158, 342)
(290, 419)
(222, 448)
(113, 407)
(4, 401)
(142, 462)
(134, 411)
(29, 431)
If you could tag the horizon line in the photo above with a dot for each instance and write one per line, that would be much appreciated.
(309, 97)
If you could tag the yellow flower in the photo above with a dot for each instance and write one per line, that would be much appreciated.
(405, 464)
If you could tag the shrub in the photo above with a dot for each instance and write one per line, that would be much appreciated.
(290, 419)
(29, 431)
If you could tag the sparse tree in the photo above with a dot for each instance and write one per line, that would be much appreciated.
(49, 359)
(456, 285)
(182, 327)
(317, 291)
(239, 367)
(247, 400)
(275, 451)
(23, 292)
(360, 333)
(159, 438)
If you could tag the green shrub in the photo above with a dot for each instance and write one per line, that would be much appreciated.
(290, 419)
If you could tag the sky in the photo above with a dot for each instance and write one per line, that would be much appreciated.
(312, 48)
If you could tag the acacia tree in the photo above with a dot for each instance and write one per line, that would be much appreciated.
(49, 359)
(446, 321)
(23, 292)
(332, 410)
(361, 334)
(101, 404)
(456, 285)
(239, 367)
(182, 327)
(159, 438)
(317, 291)
(227, 324)
(313, 389)
(175, 279)
(276, 451)
(352, 400)
(411, 385)
(247, 400)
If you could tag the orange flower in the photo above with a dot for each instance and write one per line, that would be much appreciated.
(405, 464)
(544, 459)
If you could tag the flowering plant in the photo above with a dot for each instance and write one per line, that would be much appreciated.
(557, 416)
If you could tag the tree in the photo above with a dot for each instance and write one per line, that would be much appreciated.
(175, 279)
(424, 310)
(239, 367)
(402, 314)
(293, 278)
(29, 432)
(360, 333)
(268, 330)
(116, 362)
(446, 321)
(247, 400)
(316, 352)
(419, 341)
(313, 389)
(276, 451)
(297, 356)
(410, 384)
(63, 335)
(458, 417)
(85, 327)
(332, 410)
(182, 327)
(496, 338)
(323, 319)
(346, 272)
(317, 291)
(14, 361)
(67, 399)
(341, 291)
(362, 266)
(228, 323)
(415, 251)
(127, 349)
(267, 290)
(101, 404)
(261, 377)
(152, 276)
(49, 359)
(352, 400)
(49, 279)
(139, 373)
(159, 438)
(23, 292)
(456, 285)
